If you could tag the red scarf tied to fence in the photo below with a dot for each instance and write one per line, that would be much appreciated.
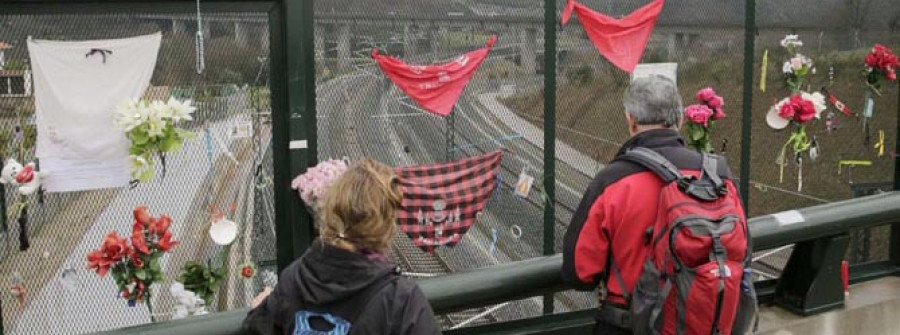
(621, 41)
(442, 201)
(434, 87)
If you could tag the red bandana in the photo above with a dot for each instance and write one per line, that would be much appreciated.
(434, 87)
(441, 201)
(621, 41)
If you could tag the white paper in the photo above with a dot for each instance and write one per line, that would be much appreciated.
(76, 93)
(788, 218)
(668, 70)
(243, 128)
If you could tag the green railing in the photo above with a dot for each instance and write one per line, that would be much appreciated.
(810, 283)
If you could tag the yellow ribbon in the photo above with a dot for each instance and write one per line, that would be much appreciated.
(852, 163)
(763, 71)
(880, 145)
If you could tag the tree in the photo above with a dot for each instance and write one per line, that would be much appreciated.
(856, 13)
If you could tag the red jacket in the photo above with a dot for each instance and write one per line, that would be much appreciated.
(616, 211)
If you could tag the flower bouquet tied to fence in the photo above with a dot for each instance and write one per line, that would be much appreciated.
(796, 110)
(313, 184)
(701, 117)
(152, 128)
(881, 65)
(135, 266)
(798, 66)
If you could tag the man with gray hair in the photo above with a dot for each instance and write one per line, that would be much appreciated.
(606, 241)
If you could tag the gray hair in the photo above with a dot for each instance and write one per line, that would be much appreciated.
(654, 100)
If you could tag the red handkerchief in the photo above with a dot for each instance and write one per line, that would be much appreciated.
(621, 41)
(436, 88)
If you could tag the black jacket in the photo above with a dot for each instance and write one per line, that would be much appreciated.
(343, 284)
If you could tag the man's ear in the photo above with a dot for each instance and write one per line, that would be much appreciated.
(632, 125)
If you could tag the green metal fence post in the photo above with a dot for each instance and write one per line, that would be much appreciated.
(549, 135)
(895, 229)
(294, 121)
(747, 115)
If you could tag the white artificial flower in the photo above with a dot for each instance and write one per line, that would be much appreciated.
(180, 110)
(155, 125)
(791, 41)
(139, 165)
(159, 110)
(786, 68)
(818, 100)
(130, 114)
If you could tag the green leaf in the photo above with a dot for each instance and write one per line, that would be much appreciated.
(170, 144)
(141, 274)
(139, 136)
(697, 134)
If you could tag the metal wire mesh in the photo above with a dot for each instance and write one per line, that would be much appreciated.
(836, 35)
(235, 174)
(362, 114)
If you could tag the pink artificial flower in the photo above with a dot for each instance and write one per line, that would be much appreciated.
(786, 111)
(699, 114)
(719, 114)
(796, 63)
(891, 74)
(706, 95)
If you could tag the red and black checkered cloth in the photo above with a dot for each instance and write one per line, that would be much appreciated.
(441, 201)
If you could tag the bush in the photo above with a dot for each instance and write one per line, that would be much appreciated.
(582, 75)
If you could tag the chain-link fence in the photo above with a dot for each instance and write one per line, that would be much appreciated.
(226, 167)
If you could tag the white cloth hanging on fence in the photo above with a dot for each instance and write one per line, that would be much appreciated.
(77, 86)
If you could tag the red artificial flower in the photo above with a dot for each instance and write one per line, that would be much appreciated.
(248, 271)
(136, 258)
(891, 75)
(160, 226)
(138, 239)
(97, 261)
(806, 113)
(798, 109)
(166, 242)
(114, 247)
(699, 114)
(872, 60)
(142, 215)
(882, 58)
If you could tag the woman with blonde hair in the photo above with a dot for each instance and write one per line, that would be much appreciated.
(344, 284)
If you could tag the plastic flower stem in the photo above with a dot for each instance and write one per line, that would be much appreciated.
(150, 305)
(783, 160)
(873, 88)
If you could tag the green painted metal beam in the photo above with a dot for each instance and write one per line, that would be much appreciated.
(549, 137)
(747, 115)
(294, 121)
(535, 277)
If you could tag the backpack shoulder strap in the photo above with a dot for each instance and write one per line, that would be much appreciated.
(711, 170)
(653, 161)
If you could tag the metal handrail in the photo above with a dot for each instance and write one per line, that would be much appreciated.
(533, 277)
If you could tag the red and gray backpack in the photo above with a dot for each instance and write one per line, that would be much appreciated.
(696, 277)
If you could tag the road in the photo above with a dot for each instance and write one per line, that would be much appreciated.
(364, 115)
